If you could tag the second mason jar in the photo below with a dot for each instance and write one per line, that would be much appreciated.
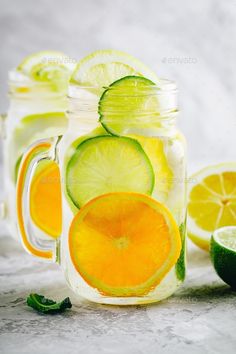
(35, 111)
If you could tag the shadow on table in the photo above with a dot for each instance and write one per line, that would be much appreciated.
(206, 290)
(205, 293)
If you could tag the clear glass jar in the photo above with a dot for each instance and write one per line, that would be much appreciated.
(36, 111)
(97, 167)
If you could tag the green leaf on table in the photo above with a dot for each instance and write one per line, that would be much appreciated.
(47, 306)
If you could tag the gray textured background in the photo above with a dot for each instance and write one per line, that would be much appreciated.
(190, 42)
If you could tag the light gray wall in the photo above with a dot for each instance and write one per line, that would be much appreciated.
(192, 42)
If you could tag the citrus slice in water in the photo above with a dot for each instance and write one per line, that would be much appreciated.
(223, 254)
(123, 244)
(212, 202)
(45, 199)
(154, 148)
(129, 105)
(71, 150)
(103, 67)
(48, 66)
(106, 164)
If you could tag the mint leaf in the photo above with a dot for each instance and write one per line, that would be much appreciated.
(47, 306)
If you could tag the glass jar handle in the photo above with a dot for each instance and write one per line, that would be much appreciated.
(45, 249)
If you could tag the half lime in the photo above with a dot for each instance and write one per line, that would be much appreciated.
(223, 254)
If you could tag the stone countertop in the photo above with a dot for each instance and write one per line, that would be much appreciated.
(200, 317)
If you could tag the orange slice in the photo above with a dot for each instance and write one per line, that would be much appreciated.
(124, 243)
(45, 199)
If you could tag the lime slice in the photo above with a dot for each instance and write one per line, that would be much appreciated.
(108, 164)
(34, 127)
(48, 66)
(129, 105)
(211, 202)
(223, 254)
(71, 150)
(103, 67)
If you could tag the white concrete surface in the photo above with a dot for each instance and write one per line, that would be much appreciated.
(199, 318)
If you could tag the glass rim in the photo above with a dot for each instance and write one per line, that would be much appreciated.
(163, 87)
(87, 100)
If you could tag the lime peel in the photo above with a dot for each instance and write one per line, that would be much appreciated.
(223, 254)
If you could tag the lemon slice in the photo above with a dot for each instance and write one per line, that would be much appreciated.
(48, 66)
(45, 57)
(154, 148)
(103, 67)
(211, 202)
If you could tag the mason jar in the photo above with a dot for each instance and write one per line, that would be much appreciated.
(36, 110)
(123, 185)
